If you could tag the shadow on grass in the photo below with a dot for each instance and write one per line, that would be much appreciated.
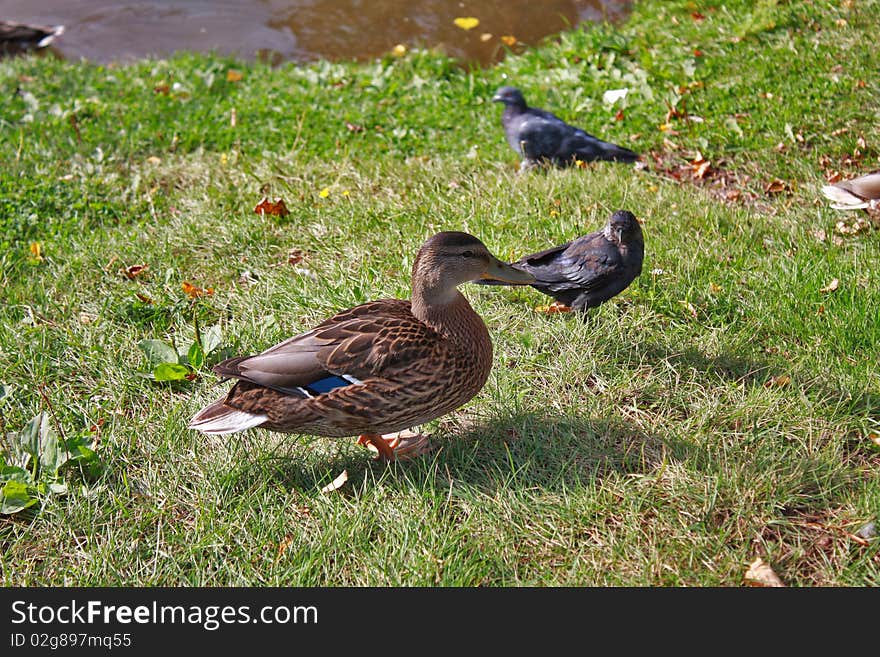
(756, 372)
(525, 450)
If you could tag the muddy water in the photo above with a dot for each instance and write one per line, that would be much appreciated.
(301, 30)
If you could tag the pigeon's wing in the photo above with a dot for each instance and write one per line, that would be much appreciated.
(540, 137)
(586, 264)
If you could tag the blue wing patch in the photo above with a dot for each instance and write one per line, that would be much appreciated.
(327, 384)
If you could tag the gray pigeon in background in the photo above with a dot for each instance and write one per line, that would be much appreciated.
(591, 269)
(539, 136)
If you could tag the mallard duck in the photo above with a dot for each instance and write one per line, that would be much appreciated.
(540, 136)
(377, 368)
(591, 269)
(15, 37)
(859, 193)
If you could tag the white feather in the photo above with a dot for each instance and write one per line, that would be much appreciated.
(843, 200)
(230, 421)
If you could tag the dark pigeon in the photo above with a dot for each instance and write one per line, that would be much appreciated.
(589, 270)
(539, 136)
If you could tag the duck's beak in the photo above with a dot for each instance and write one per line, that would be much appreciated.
(504, 273)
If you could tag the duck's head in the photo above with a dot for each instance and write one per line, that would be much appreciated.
(510, 96)
(451, 258)
(622, 227)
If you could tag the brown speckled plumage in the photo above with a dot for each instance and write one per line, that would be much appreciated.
(407, 362)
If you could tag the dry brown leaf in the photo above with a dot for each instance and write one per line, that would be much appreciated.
(194, 292)
(874, 437)
(282, 547)
(234, 76)
(553, 308)
(700, 168)
(761, 574)
(336, 483)
(818, 234)
(353, 127)
(776, 186)
(508, 40)
(276, 207)
(833, 285)
(144, 298)
(134, 271)
(778, 381)
(295, 256)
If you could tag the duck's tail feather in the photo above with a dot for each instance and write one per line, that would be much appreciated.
(220, 419)
(843, 200)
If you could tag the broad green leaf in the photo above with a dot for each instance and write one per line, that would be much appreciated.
(170, 372)
(15, 496)
(53, 453)
(211, 338)
(196, 355)
(30, 438)
(14, 473)
(158, 351)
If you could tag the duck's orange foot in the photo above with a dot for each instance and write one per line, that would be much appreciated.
(400, 446)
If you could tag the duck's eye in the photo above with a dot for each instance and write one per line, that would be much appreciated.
(467, 254)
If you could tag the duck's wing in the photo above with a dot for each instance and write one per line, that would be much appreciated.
(355, 344)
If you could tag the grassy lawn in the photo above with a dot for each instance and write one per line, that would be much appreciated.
(721, 409)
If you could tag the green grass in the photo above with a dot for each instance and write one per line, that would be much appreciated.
(647, 446)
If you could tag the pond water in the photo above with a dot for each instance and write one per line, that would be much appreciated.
(302, 30)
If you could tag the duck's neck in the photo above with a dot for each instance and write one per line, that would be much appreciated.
(449, 314)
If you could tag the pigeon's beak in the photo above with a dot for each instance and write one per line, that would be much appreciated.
(499, 271)
(497, 98)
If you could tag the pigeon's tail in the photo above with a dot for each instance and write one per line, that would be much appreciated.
(615, 153)
(220, 419)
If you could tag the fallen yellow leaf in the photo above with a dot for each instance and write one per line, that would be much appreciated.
(399, 50)
(466, 22)
(194, 292)
(234, 76)
(36, 251)
(761, 574)
(508, 40)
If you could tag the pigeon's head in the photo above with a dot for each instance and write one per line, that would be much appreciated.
(510, 96)
(623, 227)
